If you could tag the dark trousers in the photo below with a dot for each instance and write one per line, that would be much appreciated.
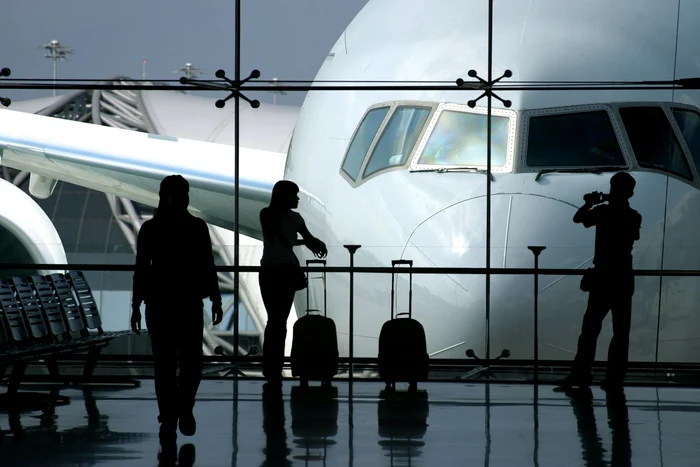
(176, 331)
(610, 293)
(278, 297)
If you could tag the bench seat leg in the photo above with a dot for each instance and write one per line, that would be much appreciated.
(18, 370)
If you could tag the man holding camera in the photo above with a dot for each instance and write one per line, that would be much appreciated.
(610, 283)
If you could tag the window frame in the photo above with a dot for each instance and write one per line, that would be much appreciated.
(393, 105)
(664, 106)
(669, 107)
(396, 106)
(343, 173)
(613, 117)
(512, 123)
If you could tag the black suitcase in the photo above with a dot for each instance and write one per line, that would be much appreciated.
(315, 342)
(403, 355)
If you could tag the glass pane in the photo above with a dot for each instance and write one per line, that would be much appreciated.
(459, 139)
(398, 139)
(94, 234)
(363, 139)
(689, 122)
(97, 206)
(653, 141)
(70, 205)
(573, 140)
(12, 251)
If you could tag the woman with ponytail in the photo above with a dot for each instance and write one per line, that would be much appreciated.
(281, 275)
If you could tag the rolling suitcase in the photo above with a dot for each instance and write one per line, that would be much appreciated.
(315, 342)
(403, 355)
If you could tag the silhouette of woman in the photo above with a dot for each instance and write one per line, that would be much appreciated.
(279, 275)
(174, 272)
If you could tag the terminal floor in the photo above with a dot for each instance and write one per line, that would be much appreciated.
(453, 424)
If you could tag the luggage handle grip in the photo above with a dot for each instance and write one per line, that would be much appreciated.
(313, 309)
(409, 262)
(405, 313)
(323, 276)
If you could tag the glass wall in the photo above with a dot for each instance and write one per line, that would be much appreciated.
(398, 171)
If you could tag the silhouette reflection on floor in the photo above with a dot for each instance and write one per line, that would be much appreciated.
(33, 446)
(470, 424)
(593, 453)
(402, 419)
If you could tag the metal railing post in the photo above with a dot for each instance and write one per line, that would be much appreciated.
(351, 331)
(536, 250)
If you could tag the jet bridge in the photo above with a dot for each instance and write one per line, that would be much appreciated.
(130, 110)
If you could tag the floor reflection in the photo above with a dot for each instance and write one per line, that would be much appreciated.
(402, 419)
(593, 453)
(276, 451)
(361, 428)
(32, 446)
(314, 421)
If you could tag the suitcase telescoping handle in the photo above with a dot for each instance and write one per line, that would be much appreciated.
(325, 307)
(395, 263)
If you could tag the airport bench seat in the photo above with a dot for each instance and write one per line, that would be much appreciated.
(42, 318)
(24, 335)
(88, 307)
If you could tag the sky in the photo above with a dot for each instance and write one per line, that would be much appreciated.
(285, 39)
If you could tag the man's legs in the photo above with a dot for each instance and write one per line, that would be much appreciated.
(618, 352)
(190, 330)
(590, 329)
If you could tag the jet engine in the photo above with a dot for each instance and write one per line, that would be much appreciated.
(27, 235)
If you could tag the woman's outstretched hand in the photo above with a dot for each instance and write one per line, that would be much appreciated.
(317, 247)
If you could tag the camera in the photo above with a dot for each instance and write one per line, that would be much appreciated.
(596, 197)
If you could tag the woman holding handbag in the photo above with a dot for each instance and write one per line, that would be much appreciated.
(281, 275)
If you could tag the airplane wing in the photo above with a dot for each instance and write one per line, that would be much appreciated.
(131, 164)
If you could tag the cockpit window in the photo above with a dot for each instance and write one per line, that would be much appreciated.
(362, 140)
(689, 123)
(581, 139)
(653, 141)
(459, 139)
(398, 138)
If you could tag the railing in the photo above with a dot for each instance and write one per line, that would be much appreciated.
(471, 366)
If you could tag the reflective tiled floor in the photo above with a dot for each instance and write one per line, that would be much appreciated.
(451, 424)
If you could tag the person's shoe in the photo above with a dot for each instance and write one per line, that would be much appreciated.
(272, 386)
(188, 425)
(574, 380)
(611, 385)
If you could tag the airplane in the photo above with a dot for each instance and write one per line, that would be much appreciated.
(402, 173)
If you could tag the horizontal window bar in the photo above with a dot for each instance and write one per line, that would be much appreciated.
(367, 270)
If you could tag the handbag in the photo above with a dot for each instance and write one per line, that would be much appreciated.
(298, 279)
(588, 279)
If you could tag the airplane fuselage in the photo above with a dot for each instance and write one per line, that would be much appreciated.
(438, 219)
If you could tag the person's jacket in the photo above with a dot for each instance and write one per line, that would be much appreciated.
(174, 261)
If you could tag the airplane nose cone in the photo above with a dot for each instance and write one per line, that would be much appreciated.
(453, 307)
